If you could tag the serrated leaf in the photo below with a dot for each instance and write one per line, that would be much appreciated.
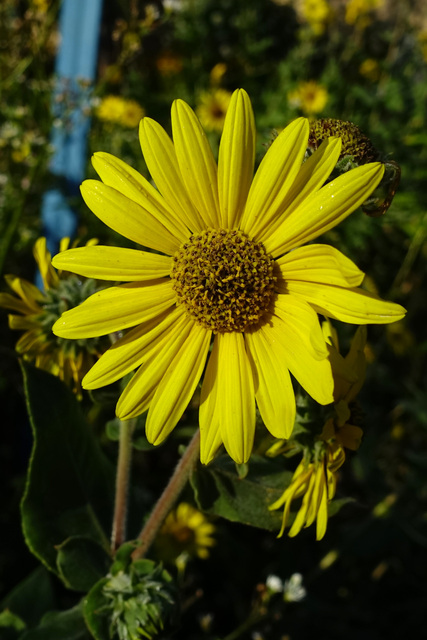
(220, 491)
(70, 483)
(81, 563)
(61, 625)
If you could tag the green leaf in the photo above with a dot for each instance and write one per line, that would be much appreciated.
(220, 491)
(11, 626)
(61, 625)
(21, 600)
(70, 483)
(81, 563)
(94, 612)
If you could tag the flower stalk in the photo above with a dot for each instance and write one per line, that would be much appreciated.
(169, 496)
(118, 534)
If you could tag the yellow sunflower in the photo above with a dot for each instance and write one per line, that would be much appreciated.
(38, 310)
(212, 108)
(229, 268)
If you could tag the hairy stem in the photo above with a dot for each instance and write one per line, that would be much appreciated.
(118, 534)
(169, 496)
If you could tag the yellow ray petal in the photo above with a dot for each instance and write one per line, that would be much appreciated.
(273, 387)
(311, 176)
(178, 385)
(127, 217)
(348, 305)
(302, 321)
(28, 292)
(315, 376)
(8, 301)
(236, 159)
(133, 349)
(237, 406)
(43, 259)
(120, 176)
(162, 163)
(274, 177)
(116, 308)
(322, 515)
(31, 339)
(320, 263)
(196, 162)
(325, 209)
(209, 415)
(24, 323)
(113, 263)
(139, 392)
(300, 518)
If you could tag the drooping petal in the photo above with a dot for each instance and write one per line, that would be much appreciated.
(302, 322)
(127, 217)
(43, 259)
(178, 385)
(320, 263)
(113, 263)
(273, 387)
(134, 348)
(122, 177)
(236, 396)
(274, 177)
(196, 162)
(355, 305)
(314, 375)
(24, 323)
(139, 392)
(236, 159)
(325, 209)
(160, 157)
(209, 418)
(28, 292)
(116, 308)
(8, 301)
(312, 175)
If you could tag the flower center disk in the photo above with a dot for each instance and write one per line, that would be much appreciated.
(225, 280)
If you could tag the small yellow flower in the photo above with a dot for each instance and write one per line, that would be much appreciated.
(310, 97)
(314, 480)
(117, 110)
(217, 73)
(359, 12)
(67, 359)
(370, 69)
(212, 107)
(229, 294)
(316, 13)
(185, 531)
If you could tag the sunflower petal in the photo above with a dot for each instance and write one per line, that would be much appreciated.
(273, 387)
(236, 159)
(209, 418)
(320, 263)
(116, 308)
(127, 217)
(43, 259)
(113, 263)
(355, 305)
(196, 162)
(28, 292)
(130, 351)
(120, 176)
(303, 322)
(274, 177)
(325, 209)
(160, 157)
(178, 385)
(8, 301)
(237, 394)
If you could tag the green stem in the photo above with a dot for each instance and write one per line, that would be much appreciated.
(118, 534)
(169, 496)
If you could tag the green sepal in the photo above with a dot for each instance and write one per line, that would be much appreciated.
(70, 483)
(81, 563)
(220, 491)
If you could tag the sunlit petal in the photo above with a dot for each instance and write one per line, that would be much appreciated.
(320, 263)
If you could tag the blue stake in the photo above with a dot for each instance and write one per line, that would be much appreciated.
(79, 27)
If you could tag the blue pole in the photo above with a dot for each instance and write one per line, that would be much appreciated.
(79, 26)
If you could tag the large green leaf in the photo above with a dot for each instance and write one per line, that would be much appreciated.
(70, 483)
(21, 600)
(60, 625)
(82, 562)
(219, 490)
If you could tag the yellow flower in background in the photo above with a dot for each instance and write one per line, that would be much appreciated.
(68, 359)
(217, 73)
(186, 531)
(117, 110)
(228, 267)
(315, 479)
(316, 13)
(310, 97)
(212, 107)
(370, 69)
(359, 12)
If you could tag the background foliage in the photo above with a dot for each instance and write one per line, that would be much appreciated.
(366, 61)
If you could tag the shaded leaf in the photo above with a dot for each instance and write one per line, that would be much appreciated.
(70, 483)
(11, 626)
(81, 563)
(60, 625)
(220, 491)
(21, 599)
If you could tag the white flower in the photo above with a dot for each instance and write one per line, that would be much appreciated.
(293, 590)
